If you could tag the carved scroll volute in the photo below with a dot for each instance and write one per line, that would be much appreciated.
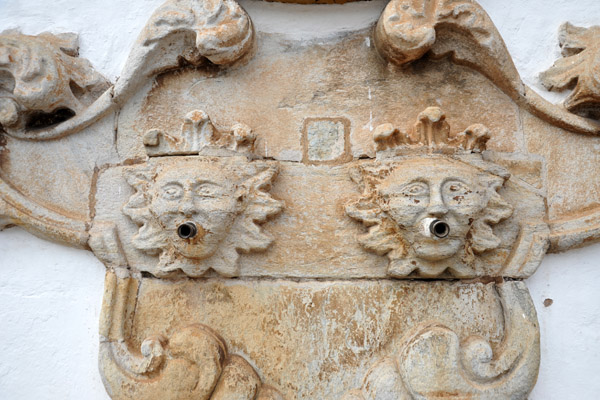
(407, 29)
(431, 359)
(461, 29)
(47, 92)
(187, 31)
(193, 363)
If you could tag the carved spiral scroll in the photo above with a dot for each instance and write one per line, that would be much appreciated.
(432, 359)
(462, 30)
(195, 32)
(193, 363)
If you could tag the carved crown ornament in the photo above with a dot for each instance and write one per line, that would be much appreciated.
(357, 229)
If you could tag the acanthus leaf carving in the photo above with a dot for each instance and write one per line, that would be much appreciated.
(579, 69)
(43, 81)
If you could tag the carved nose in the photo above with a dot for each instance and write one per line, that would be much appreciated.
(438, 209)
(187, 206)
(187, 230)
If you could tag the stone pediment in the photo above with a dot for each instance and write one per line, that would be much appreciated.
(307, 219)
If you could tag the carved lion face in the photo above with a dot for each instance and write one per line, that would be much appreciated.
(224, 199)
(401, 201)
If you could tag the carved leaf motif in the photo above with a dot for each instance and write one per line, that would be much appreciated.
(578, 70)
(43, 81)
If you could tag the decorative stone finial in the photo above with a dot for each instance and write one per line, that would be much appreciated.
(433, 132)
(199, 135)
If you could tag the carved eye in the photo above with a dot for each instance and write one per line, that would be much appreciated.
(172, 191)
(456, 192)
(415, 189)
(208, 190)
(457, 187)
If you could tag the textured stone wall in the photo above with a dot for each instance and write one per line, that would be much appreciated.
(50, 295)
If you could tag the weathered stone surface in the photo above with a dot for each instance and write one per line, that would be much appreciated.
(43, 81)
(312, 339)
(350, 218)
(344, 79)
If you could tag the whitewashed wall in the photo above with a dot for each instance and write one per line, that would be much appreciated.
(50, 295)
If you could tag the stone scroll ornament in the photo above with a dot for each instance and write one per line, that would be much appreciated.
(193, 363)
(47, 92)
(461, 30)
(432, 362)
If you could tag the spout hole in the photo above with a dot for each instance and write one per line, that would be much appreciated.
(439, 229)
(187, 230)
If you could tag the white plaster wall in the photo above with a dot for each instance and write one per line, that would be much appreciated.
(50, 295)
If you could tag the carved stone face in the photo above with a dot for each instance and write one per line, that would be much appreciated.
(223, 199)
(423, 191)
(205, 197)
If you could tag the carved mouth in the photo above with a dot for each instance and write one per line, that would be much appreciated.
(187, 230)
(436, 228)
(439, 229)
